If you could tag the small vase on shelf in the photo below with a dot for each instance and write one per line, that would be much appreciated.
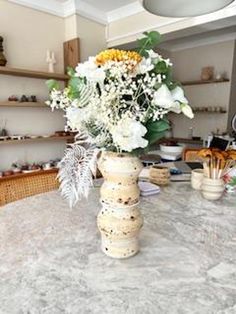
(3, 60)
(119, 220)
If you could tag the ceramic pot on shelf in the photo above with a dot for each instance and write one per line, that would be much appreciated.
(212, 189)
(119, 220)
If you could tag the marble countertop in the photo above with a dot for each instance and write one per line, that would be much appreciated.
(51, 262)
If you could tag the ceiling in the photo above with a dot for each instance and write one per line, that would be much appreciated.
(102, 11)
(108, 5)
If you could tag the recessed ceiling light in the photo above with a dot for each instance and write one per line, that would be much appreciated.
(183, 8)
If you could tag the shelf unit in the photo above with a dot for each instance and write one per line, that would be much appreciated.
(200, 82)
(210, 112)
(38, 139)
(182, 140)
(23, 104)
(33, 74)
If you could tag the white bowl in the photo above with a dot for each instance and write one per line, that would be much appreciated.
(172, 149)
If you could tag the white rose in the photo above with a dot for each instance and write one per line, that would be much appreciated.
(128, 135)
(90, 70)
(178, 95)
(74, 117)
(144, 66)
(164, 99)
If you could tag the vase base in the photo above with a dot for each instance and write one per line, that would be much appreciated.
(120, 249)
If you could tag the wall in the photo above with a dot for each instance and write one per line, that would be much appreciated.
(128, 29)
(187, 66)
(27, 35)
(92, 37)
(232, 104)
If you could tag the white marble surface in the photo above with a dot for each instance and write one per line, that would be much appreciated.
(51, 262)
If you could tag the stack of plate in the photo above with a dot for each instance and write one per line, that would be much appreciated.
(147, 188)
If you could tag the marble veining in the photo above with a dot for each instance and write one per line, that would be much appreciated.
(51, 261)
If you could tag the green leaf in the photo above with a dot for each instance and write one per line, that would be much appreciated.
(161, 68)
(150, 41)
(74, 90)
(52, 84)
(155, 37)
(156, 130)
(70, 71)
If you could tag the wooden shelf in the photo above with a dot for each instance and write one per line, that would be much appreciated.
(38, 139)
(33, 74)
(211, 112)
(199, 82)
(23, 104)
(181, 140)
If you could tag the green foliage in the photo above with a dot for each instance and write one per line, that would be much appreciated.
(74, 87)
(233, 181)
(156, 130)
(52, 84)
(70, 71)
(150, 41)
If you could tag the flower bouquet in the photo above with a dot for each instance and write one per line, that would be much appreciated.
(118, 102)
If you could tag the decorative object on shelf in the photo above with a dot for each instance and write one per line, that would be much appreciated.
(118, 101)
(207, 73)
(119, 220)
(218, 76)
(210, 109)
(13, 98)
(71, 53)
(216, 164)
(33, 98)
(3, 131)
(24, 98)
(51, 60)
(3, 60)
(184, 8)
(159, 175)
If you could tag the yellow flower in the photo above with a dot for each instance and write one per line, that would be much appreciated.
(117, 55)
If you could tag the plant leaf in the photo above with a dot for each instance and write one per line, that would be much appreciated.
(156, 130)
(52, 84)
(77, 168)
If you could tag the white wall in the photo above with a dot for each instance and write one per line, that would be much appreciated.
(92, 37)
(187, 66)
(28, 34)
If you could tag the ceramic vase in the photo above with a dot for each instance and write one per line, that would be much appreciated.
(212, 189)
(119, 220)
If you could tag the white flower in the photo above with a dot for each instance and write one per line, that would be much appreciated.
(178, 95)
(145, 66)
(152, 54)
(74, 118)
(90, 70)
(187, 111)
(128, 135)
(164, 99)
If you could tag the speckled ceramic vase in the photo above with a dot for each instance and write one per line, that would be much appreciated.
(119, 220)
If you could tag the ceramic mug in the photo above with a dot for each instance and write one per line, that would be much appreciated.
(196, 178)
(212, 189)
